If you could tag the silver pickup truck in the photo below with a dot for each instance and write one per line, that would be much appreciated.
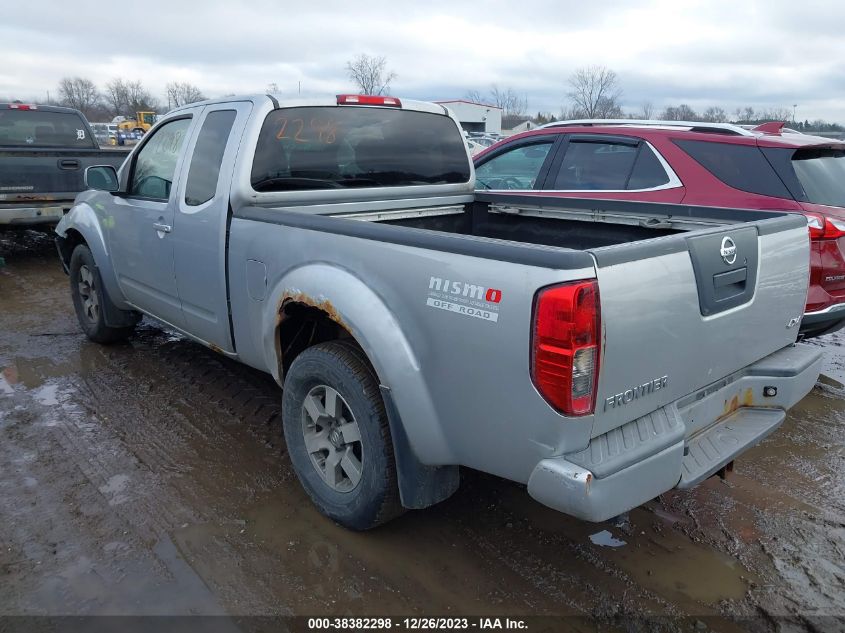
(601, 352)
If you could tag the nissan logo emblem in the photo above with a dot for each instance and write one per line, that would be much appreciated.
(728, 250)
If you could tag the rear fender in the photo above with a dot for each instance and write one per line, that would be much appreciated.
(353, 305)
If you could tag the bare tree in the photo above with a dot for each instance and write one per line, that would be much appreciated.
(474, 96)
(570, 113)
(776, 114)
(79, 93)
(646, 110)
(507, 99)
(125, 98)
(370, 74)
(595, 92)
(182, 93)
(679, 113)
(715, 114)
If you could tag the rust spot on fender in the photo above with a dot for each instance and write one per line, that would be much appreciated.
(589, 480)
(215, 348)
(300, 297)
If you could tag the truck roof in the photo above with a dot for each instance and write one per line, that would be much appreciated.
(17, 105)
(329, 100)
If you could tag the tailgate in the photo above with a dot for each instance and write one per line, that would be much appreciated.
(683, 311)
(26, 174)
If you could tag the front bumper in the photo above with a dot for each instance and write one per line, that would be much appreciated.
(26, 216)
(680, 444)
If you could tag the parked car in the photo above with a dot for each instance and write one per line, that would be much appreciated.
(690, 163)
(417, 326)
(44, 151)
(101, 132)
(474, 146)
(486, 141)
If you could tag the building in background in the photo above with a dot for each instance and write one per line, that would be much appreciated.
(525, 126)
(476, 117)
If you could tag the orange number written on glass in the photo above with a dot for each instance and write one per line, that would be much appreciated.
(324, 132)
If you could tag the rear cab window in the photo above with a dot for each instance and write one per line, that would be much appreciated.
(357, 147)
(208, 157)
(41, 128)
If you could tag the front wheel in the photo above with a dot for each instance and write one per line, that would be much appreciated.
(90, 299)
(338, 436)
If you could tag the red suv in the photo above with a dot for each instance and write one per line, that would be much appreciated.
(705, 164)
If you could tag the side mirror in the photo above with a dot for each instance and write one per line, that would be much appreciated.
(102, 178)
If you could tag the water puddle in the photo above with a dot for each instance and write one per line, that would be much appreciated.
(47, 395)
(606, 539)
(5, 387)
(115, 489)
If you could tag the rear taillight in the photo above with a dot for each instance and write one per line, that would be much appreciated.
(22, 106)
(368, 100)
(565, 347)
(825, 228)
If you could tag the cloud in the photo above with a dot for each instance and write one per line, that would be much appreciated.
(759, 53)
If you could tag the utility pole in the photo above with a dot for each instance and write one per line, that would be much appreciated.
(794, 106)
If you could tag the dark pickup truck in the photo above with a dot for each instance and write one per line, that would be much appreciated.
(44, 151)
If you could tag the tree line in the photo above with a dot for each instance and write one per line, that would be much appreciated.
(119, 97)
(595, 92)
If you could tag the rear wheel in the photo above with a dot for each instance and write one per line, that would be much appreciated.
(338, 436)
(90, 299)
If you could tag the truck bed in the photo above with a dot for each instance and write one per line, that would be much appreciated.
(578, 224)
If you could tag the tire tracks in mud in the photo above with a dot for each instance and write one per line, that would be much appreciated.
(162, 441)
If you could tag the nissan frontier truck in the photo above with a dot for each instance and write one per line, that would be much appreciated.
(601, 352)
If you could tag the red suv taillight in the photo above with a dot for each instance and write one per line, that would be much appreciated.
(824, 228)
(565, 346)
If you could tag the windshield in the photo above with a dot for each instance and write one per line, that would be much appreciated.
(337, 147)
(38, 128)
(822, 174)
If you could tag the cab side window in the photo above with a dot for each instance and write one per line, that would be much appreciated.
(595, 166)
(155, 166)
(514, 169)
(598, 166)
(208, 156)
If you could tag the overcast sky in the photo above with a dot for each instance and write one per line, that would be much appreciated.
(764, 54)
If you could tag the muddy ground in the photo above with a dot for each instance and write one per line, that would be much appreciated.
(151, 478)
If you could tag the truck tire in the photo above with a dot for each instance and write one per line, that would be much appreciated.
(338, 436)
(90, 299)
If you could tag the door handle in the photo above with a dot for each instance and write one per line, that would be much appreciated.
(164, 228)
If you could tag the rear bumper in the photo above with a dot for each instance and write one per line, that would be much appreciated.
(824, 321)
(678, 445)
(26, 216)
